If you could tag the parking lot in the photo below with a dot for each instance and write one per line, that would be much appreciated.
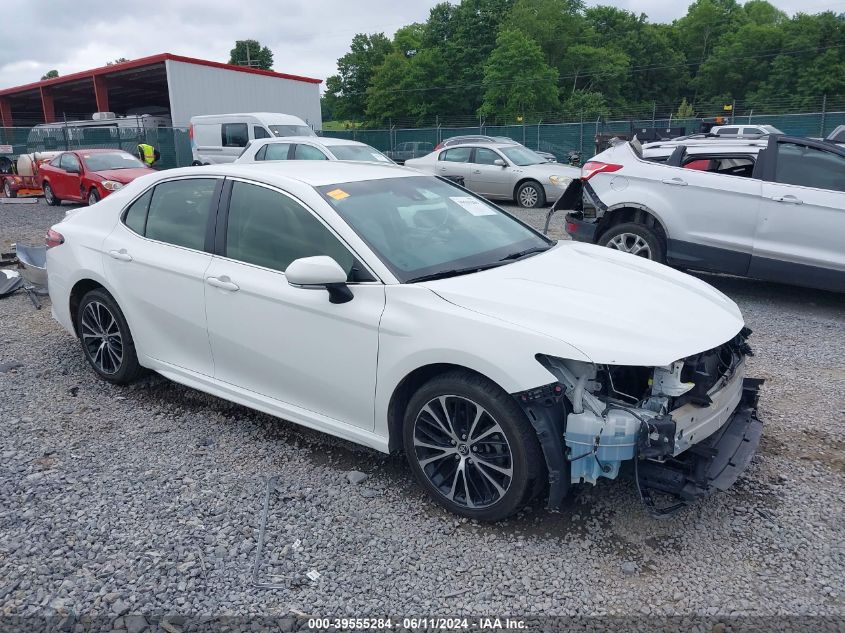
(149, 498)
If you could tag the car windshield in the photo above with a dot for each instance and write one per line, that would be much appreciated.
(423, 227)
(522, 156)
(111, 160)
(358, 152)
(291, 130)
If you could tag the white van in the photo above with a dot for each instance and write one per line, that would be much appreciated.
(220, 138)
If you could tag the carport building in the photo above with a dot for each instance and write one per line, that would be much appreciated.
(165, 83)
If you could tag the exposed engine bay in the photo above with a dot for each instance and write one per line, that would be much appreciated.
(690, 427)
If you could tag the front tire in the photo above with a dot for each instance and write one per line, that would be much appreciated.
(636, 239)
(7, 190)
(106, 339)
(471, 447)
(531, 195)
(49, 196)
(93, 197)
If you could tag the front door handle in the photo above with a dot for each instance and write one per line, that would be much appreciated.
(442, 168)
(476, 171)
(680, 182)
(788, 199)
(224, 283)
(121, 255)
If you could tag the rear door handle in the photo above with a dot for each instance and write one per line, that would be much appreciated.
(680, 182)
(476, 171)
(788, 199)
(121, 255)
(224, 283)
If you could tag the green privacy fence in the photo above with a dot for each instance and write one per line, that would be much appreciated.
(561, 138)
(173, 144)
(557, 138)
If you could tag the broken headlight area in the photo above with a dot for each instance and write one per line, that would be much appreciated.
(691, 426)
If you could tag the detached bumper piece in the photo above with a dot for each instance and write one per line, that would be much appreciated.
(714, 464)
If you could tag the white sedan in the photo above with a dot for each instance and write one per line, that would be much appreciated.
(311, 148)
(400, 312)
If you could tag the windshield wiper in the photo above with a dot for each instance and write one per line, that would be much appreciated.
(527, 251)
(453, 272)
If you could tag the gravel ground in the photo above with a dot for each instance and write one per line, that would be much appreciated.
(119, 501)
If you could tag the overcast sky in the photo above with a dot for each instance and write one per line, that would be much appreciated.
(306, 37)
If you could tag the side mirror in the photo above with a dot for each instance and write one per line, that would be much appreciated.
(320, 272)
(500, 162)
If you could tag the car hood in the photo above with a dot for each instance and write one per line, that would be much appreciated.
(614, 307)
(124, 175)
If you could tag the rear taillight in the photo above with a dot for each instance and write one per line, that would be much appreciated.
(54, 238)
(593, 167)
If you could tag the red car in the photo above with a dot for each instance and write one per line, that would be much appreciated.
(87, 175)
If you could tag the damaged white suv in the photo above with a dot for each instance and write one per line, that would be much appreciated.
(402, 312)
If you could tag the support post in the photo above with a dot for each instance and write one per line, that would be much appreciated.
(47, 106)
(5, 112)
(101, 93)
(824, 115)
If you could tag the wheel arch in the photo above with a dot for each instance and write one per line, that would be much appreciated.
(522, 181)
(632, 212)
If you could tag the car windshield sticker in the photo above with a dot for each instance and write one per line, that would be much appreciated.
(337, 194)
(383, 159)
(476, 207)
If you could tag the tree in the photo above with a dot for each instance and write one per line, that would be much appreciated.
(685, 110)
(355, 70)
(50, 74)
(554, 24)
(517, 79)
(251, 53)
(119, 60)
(408, 40)
(386, 98)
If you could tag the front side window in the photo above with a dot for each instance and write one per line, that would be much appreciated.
(457, 155)
(484, 156)
(421, 226)
(269, 229)
(308, 152)
(275, 151)
(179, 212)
(234, 134)
(70, 162)
(809, 167)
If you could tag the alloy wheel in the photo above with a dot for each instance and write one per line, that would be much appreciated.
(463, 451)
(101, 337)
(7, 189)
(48, 194)
(528, 197)
(631, 243)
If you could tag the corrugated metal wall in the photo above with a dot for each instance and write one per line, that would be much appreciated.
(196, 90)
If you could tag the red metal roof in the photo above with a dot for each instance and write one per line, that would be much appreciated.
(147, 61)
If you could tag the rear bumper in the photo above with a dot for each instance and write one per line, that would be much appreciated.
(580, 230)
(715, 463)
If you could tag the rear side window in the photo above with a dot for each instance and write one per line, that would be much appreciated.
(234, 134)
(269, 229)
(729, 131)
(136, 214)
(259, 132)
(179, 212)
(457, 155)
(725, 165)
(810, 167)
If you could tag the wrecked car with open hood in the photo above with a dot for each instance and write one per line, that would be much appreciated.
(403, 312)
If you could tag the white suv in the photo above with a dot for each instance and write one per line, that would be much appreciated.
(744, 131)
(771, 209)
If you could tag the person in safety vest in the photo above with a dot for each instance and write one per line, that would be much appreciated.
(148, 154)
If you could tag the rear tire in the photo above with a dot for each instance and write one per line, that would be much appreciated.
(49, 196)
(636, 239)
(471, 447)
(531, 195)
(105, 337)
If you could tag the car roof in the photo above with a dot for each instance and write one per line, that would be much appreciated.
(328, 141)
(315, 173)
(482, 144)
(710, 144)
(98, 150)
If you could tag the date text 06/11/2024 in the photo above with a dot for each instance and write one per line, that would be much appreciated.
(414, 623)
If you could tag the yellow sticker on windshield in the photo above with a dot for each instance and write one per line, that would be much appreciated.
(337, 194)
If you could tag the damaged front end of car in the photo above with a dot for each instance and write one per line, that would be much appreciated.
(690, 427)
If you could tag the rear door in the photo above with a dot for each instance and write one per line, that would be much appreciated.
(487, 178)
(715, 213)
(801, 234)
(454, 162)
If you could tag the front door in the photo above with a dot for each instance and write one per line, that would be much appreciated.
(155, 260)
(486, 177)
(288, 343)
(801, 234)
(67, 183)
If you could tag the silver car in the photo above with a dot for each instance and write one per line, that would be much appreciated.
(500, 171)
(311, 148)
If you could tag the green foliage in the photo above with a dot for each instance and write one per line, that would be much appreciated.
(50, 74)
(504, 58)
(251, 53)
(517, 80)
